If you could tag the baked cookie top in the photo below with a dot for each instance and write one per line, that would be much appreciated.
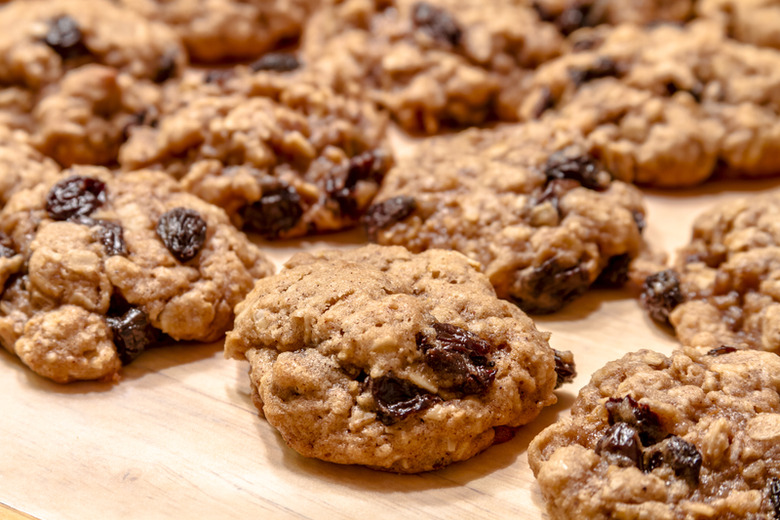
(283, 154)
(664, 105)
(218, 30)
(96, 267)
(21, 165)
(724, 288)
(692, 435)
(430, 63)
(402, 362)
(749, 21)
(75, 72)
(571, 15)
(528, 202)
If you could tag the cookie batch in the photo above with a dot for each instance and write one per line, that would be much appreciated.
(149, 149)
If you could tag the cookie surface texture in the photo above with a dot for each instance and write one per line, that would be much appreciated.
(379, 357)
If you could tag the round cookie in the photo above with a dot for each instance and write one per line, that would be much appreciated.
(282, 154)
(75, 72)
(724, 289)
(218, 30)
(432, 64)
(401, 362)
(687, 436)
(666, 106)
(528, 202)
(96, 267)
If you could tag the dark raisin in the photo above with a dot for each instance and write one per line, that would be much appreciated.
(697, 91)
(553, 192)
(639, 219)
(183, 231)
(218, 76)
(65, 38)
(773, 491)
(276, 62)
(396, 398)
(112, 237)
(569, 20)
(628, 410)
(386, 213)
(544, 102)
(680, 455)
(615, 273)
(438, 23)
(569, 164)
(603, 67)
(277, 211)
(620, 446)
(132, 333)
(723, 349)
(6, 246)
(661, 294)
(461, 357)
(166, 68)
(502, 434)
(565, 370)
(550, 286)
(75, 197)
(368, 166)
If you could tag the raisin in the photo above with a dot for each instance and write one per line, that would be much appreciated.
(396, 398)
(628, 410)
(620, 446)
(132, 333)
(565, 370)
(569, 20)
(639, 220)
(218, 76)
(661, 294)
(568, 164)
(75, 197)
(615, 273)
(112, 237)
(6, 246)
(550, 286)
(680, 455)
(65, 38)
(183, 231)
(502, 434)
(460, 356)
(277, 211)
(603, 67)
(723, 349)
(438, 23)
(773, 490)
(386, 213)
(366, 166)
(166, 68)
(276, 62)
(697, 91)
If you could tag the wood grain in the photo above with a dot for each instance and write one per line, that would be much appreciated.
(178, 437)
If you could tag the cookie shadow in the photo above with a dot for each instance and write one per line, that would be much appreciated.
(153, 361)
(585, 305)
(716, 187)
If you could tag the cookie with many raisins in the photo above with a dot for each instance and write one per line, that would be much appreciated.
(282, 154)
(528, 202)
(724, 287)
(224, 30)
(98, 267)
(693, 435)
(75, 73)
(401, 362)
(433, 64)
(666, 105)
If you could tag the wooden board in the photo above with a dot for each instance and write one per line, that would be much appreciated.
(180, 438)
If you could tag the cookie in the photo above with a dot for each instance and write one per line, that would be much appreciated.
(282, 154)
(749, 21)
(21, 166)
(665, 106)
(528, 202)
(432, 64)
(74, 73)
(724, 288)
(98, 267)
(218, 30)
(687, 436)
(401, 362)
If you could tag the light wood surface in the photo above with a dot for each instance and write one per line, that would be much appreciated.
(179, 438)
